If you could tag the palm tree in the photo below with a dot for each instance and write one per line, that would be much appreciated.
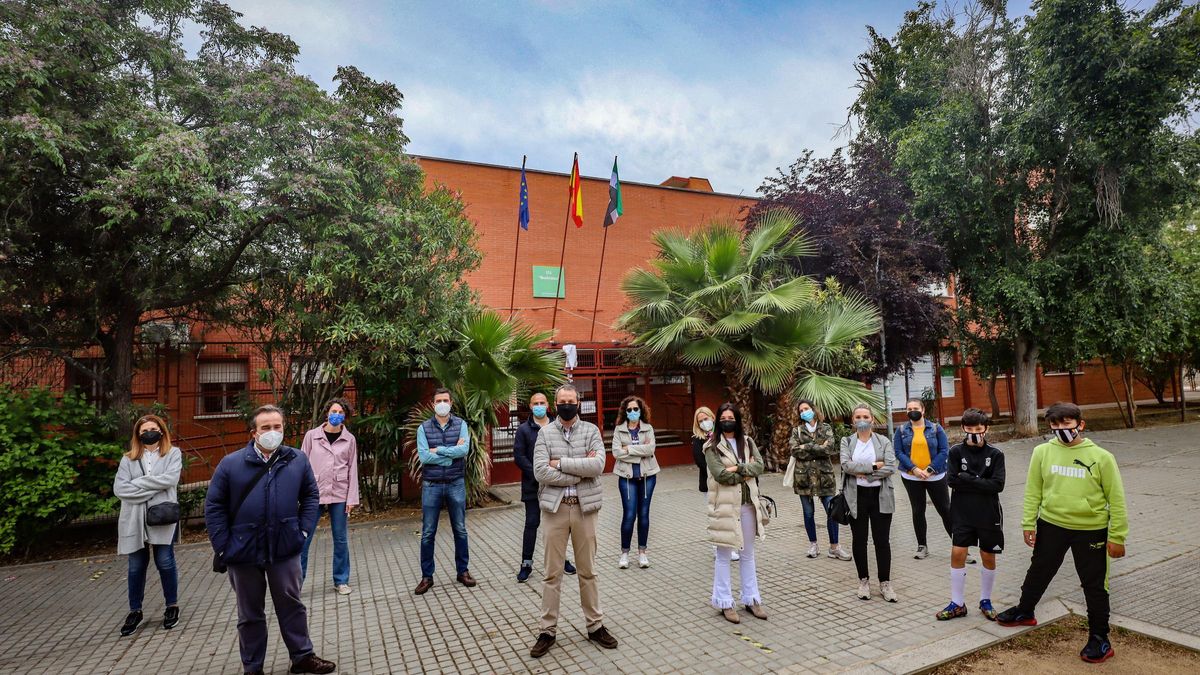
(718, 297)
(488, 364)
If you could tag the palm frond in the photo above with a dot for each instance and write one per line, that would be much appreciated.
(835, 395)
(790, 296)
(738, 322)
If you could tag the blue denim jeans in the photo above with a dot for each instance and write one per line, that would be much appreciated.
(341, 545)
(452, 496)
(635, 505)
(810, 520)
(139, 563)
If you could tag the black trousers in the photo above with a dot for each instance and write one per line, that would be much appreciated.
(881, 532)
(1089, 549)
(533, 519)
(938, 493)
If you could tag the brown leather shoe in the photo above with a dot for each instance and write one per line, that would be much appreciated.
(466, 579)
(731, 615)
(313, 664)
(604, 638)
(544, 642)
(757, 610)
(425, 585)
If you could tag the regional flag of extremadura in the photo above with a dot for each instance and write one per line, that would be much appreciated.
(575, 207)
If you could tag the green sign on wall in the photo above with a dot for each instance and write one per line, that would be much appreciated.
(546, 280)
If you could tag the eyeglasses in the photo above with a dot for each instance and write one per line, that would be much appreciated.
(633, 410)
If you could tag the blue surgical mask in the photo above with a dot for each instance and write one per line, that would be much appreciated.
(539, 411)
(336, 419)
(808, 415)
(634, 415)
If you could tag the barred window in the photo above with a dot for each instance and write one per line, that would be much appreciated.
(222, 383)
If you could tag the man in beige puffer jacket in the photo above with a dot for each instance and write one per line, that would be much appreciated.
(568, 459)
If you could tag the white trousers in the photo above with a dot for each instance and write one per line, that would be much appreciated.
(722, 594)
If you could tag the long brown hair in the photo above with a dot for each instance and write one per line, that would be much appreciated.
(135, 444)
(645, 418)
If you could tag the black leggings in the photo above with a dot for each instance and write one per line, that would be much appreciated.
(881, 527)
(938, 493)
(1089, 550)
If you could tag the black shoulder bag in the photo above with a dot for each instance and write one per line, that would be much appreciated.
(218, 565)
(162, 513)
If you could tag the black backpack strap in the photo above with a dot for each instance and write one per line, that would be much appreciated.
(237, 504)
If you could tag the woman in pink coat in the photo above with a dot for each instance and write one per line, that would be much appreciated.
(333, 454)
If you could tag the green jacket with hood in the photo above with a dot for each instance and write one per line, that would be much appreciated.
(1077, 487)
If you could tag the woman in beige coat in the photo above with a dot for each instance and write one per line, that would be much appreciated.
(734, 521)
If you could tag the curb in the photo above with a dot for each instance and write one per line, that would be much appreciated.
(1185, 640)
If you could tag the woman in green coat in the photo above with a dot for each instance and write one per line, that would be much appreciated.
(813, 448)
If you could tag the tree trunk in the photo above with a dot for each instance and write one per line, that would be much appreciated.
(741, 395)
(1113, 391)
(787, 417)
(992, 396)
(118, 356)
(1025, 374)
(1130, 405)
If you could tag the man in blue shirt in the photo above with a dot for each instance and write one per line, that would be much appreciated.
(442, 444)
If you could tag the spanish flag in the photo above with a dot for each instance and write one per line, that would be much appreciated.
(575, 206)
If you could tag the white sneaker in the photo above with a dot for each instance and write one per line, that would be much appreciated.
(922, 553)
(864, 589)
(736, 556)
(813, 551)
(885, 589)
(643, 560)
(839, 553)
(970, 558)
(343, 589)
(623, 563)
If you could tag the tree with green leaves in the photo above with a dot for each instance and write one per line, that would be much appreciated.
(144, 181)
(487, 363)
(1038, 152)
(722, 298)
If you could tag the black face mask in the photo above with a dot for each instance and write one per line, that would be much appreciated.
(729, 426)
(567, 411)
(914, 415)
(150, 437)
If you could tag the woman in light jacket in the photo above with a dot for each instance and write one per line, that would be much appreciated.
(148, 475)
(333, 453)
(704, 423)
(868, 463)
(734, 521)
(812, 447)
(635, 466)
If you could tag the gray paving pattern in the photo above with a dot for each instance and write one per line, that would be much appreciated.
(62, 617)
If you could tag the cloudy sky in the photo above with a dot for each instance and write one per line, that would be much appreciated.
(723, 90)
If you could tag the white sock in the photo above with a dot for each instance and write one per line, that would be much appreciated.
(987, 579)
(958, 585)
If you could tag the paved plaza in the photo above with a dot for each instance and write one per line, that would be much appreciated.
(63, 617)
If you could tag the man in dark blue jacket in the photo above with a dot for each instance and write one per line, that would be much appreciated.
(262, 504)
(527, 434)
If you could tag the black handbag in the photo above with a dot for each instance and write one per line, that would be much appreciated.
(218, 563)
(839, 510)
(163, 513)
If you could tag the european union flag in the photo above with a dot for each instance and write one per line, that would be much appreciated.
(523, 213)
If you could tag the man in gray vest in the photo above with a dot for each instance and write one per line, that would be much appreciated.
(568, 459)
(442, 444)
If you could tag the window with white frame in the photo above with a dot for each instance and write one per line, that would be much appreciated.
(222, 384)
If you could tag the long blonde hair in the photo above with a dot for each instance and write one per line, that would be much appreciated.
(697, 432)
(135, 444)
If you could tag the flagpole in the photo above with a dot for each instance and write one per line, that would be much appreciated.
(562, 256)
(599, 276)
(512, 299)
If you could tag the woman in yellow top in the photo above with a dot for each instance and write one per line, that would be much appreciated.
(922, 450)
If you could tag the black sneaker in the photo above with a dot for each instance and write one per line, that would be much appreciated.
(568, 567)
(524, 572)
(171, 617)
(603, 638)
(1015, 617)
(131, 622)
(544, 642)
(1097, 650)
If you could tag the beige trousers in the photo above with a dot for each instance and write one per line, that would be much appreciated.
(580, 528)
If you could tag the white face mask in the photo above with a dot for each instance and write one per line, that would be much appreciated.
(441, 409)
(706, 426)
(269, 440)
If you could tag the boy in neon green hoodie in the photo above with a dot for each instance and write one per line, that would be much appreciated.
(1074, 500)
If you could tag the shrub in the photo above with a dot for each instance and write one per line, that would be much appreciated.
(57, 463)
